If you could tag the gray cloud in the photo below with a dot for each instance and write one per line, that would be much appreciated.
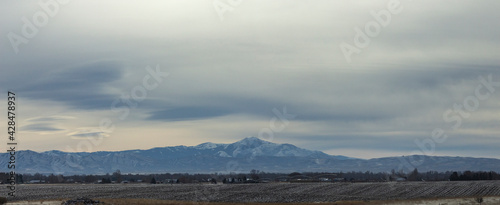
(265, 55)
(48, 119)
(87, 134)
(188, 113)
(82, 87)
(42, 127)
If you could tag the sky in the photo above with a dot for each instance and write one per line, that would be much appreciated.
(363, 79)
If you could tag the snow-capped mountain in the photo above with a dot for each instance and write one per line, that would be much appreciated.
(242, 156)
(255, 147)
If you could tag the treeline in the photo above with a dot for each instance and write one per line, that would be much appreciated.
(469, 175)
(254, 176)
(115, 177)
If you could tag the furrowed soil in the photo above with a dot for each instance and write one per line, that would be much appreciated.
(271, 193)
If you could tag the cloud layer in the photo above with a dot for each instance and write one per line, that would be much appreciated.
(226, 77)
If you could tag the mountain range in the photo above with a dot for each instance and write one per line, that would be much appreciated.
(242, 156)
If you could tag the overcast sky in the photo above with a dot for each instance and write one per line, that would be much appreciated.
(233, 69)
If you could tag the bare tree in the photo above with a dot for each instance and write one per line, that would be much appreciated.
(479, 200)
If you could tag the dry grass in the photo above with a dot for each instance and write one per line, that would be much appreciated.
(422, 193)
(168, 202)
(377, 202)
(436, 201)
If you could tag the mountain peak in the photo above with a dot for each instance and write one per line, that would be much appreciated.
(206, 145)
(252, 141)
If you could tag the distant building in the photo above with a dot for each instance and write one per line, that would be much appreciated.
(400, 179)
(339, 179)
(397, 178)
(325, 179)
(266, 180)
(36, 181)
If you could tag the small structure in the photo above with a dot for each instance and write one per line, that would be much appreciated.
(401, 179)
(339, 179)
(36, 181)
(324, 179)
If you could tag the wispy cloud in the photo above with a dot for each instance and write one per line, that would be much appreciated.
(227, 77)
(40, 127)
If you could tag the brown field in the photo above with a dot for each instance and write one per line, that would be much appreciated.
(444, 201)
(271, 193)
(450, 201)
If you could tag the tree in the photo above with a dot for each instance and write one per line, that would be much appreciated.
(19, 179)
(153, 180)
(254, 174)
(467, 175)
(38, 176)
(414, 175)
(89, 179)
(454, 177)
(117, 175)
(3, 200)
(53, 179)
(479, 200)
(294, 174)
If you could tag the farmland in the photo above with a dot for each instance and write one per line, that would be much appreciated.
(270, 192)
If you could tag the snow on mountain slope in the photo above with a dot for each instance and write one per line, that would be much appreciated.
(253, 147)
(244, 155)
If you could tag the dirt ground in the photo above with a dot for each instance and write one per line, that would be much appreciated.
(454, 201)
(270, 193)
